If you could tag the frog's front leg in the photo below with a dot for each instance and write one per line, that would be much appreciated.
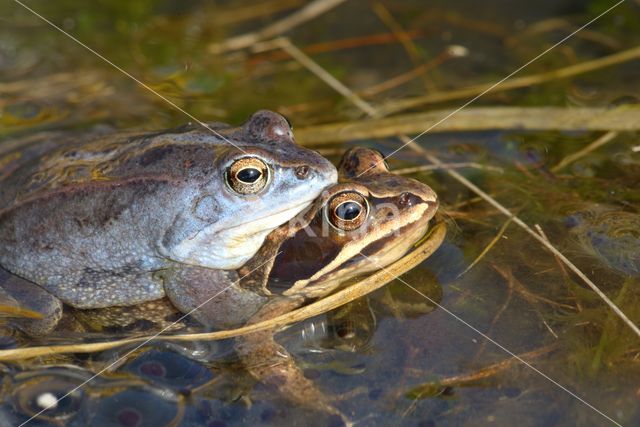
(212, 297)
(271, 364)
(27, 295)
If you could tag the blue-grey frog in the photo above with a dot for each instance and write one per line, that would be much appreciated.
(90, 218)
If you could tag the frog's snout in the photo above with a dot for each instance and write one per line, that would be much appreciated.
(420, 193)
(324, 169)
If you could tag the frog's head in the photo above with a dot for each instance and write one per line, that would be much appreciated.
(261, 179)
(364, 223)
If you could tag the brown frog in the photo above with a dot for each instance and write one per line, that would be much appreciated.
(364, 223)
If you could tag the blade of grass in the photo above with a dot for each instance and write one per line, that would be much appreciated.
(487, 248)
(516, 83)
(310, 11)
(604, 139)
(623, 118)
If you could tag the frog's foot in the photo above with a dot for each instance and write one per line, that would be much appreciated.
(37, 312)
(272, 365)
(154, 315)
(210, 296)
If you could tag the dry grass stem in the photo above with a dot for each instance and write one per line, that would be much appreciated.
(468, 380)
(486, 250)
(330, 151)
(563, 269)
(326, 46)
(555, 24)
(544, 236)
(491, 370)
(312, 66)
(623, 118)
(401, 34)
(515, 83)
(586, 150)
(325, 76)
(244, 13)
(425, 168)
(310, 11)
(403, 78)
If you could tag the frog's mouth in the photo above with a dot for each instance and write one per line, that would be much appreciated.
(276, 218)
(232, 247)
(243, 240)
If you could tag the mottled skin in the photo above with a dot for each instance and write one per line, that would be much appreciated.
(93, 218)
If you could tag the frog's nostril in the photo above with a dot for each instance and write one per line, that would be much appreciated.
(302, 171)
(406, 200)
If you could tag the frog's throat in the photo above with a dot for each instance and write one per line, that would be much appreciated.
(416, 217)
(232, 247)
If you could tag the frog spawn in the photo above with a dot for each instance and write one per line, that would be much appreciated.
(159, 386)
(147, 390)
(38, 394)
(609, 235)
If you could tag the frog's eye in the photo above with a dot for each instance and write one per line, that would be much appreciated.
(248, 175)
(347, 211)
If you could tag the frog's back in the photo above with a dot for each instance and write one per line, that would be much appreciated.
(77, 208)
(42, 165)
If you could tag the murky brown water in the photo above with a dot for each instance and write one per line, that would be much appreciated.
(406, 362)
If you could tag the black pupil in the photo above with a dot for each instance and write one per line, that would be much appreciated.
(249, 175)
(348, 211)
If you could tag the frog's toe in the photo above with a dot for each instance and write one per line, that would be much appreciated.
(30, 308)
